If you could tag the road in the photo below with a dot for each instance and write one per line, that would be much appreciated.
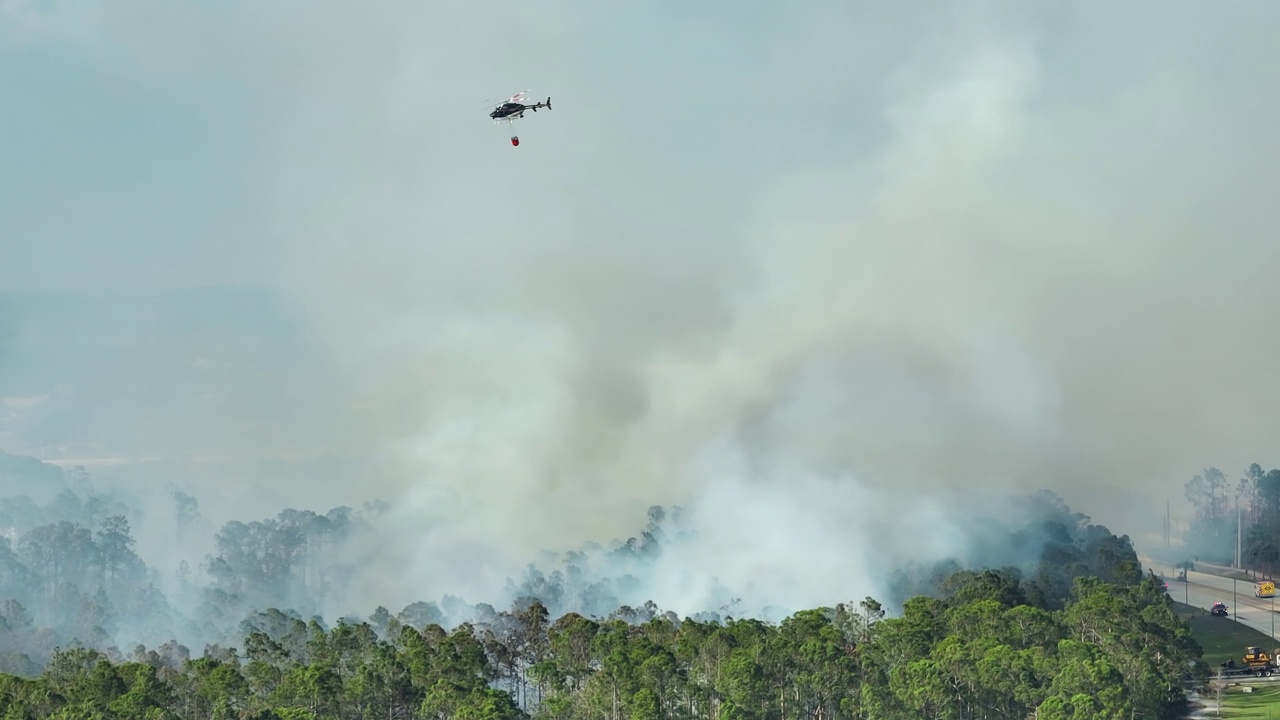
(1203, 590)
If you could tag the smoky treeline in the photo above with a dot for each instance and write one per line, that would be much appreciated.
(72, 574)
(991, 644)
(1233, 513)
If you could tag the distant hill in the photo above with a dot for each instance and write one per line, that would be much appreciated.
(29, 476)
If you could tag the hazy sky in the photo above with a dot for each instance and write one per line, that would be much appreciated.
(906, 251)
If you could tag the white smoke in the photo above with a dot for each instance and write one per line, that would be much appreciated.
(816, 276)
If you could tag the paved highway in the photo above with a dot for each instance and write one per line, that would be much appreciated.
(1202, 590)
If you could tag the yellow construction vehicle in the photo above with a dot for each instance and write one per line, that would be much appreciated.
(1256, 662)
(1255, 658)
(1264, 589)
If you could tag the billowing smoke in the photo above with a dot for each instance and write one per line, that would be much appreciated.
(823, 277)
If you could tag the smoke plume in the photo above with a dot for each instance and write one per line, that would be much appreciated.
(825, 278)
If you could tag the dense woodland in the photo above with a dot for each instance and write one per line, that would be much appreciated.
(1115, 650)
(1222, 506)
(1067, 627)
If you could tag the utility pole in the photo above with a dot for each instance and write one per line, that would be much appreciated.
(1239, 559)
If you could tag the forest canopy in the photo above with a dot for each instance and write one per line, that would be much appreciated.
(1060, 622)
(986, 650)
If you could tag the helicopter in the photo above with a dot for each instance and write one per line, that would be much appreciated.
(513, 108)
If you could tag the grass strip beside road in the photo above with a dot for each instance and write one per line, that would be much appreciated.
(1262, 703)
(1222, 638)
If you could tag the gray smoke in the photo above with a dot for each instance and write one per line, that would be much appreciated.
(819, 275)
